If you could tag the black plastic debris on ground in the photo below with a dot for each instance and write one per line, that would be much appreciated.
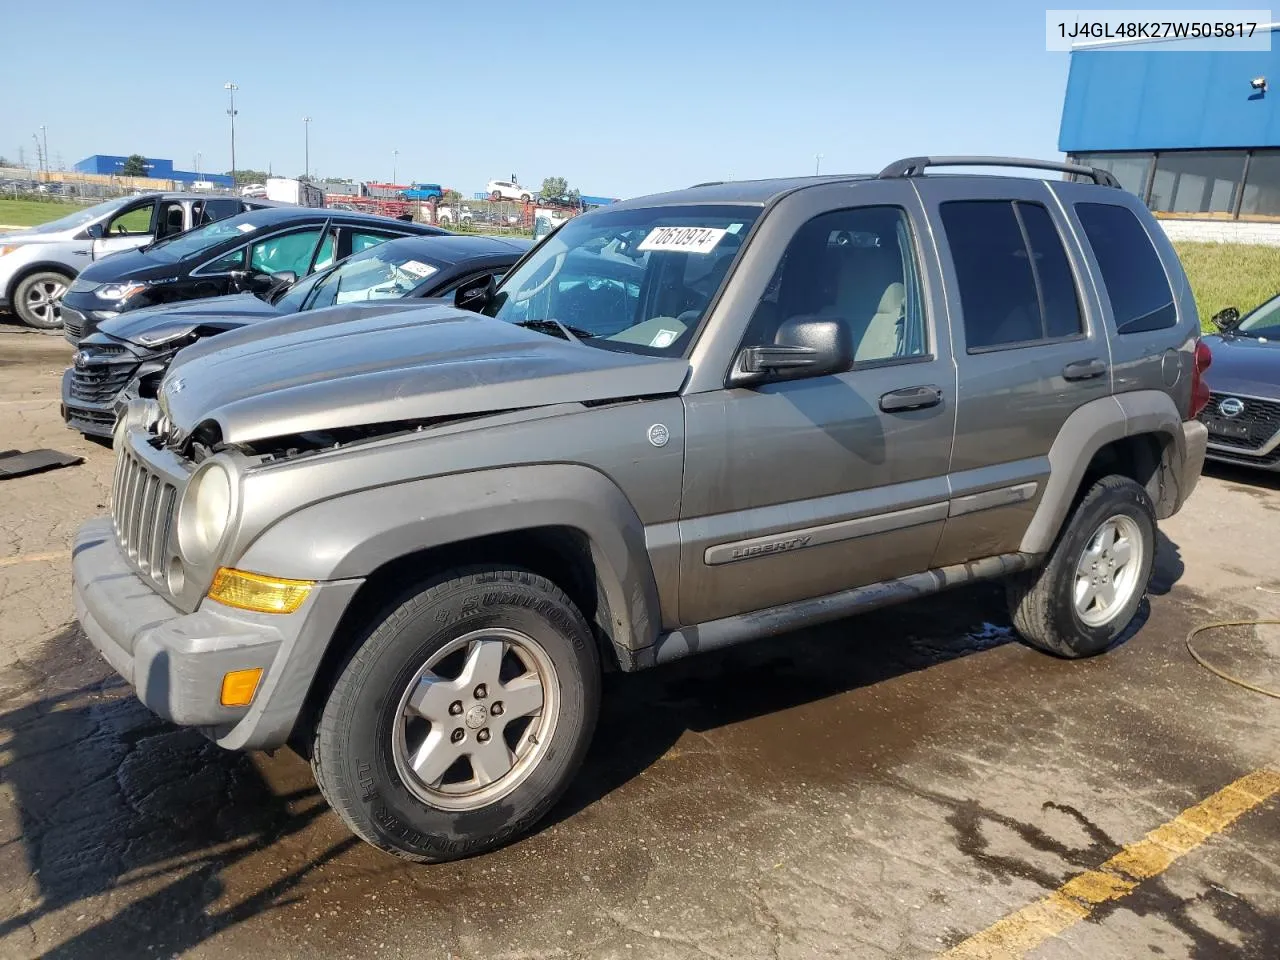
(15, 463)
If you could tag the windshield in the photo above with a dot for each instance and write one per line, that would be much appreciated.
(385, 272)
(81, 217)
(639, 281)
(1264, 321)
(182, 245)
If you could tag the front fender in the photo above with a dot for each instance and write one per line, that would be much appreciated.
(351, 536)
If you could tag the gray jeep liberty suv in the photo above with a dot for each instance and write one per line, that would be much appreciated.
(408, 544)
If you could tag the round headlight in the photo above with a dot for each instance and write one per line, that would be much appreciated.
(205, 512)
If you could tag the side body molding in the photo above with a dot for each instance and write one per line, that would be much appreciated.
(350, 536)
(1085, 432)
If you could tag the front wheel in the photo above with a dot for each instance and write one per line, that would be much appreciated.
(462, 717)
(1088, 592)
(37, 299)
(495, 196)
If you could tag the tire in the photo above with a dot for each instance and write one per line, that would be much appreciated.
(37, 299)
(1043, 603)
(363, 748)
(495, 196)
(524, 198)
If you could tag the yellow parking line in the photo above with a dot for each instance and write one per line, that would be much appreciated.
(32, 558)
(1026, 929)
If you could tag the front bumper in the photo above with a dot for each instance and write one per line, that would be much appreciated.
(175, 661)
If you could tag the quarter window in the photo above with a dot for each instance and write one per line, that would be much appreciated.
(1016, 285)
(858, 265)
(1136, 283)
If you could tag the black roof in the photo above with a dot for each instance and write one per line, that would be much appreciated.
(271, 216)
(751, 192)
(454, 247)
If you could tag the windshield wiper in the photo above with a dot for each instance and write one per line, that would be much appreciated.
(568, 332)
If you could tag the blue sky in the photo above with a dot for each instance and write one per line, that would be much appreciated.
(619, 98)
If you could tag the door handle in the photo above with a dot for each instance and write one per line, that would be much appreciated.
(1084, 369)
(911, 398)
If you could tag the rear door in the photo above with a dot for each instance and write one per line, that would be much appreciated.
(800, 488)
(1030, 347)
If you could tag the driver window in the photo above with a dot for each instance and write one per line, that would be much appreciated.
(136, 221)
(170, 221)
(286, 252)
(858, 265)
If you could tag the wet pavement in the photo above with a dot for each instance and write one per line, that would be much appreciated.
(886, 786)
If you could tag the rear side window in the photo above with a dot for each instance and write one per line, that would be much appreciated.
(1141, 299)
(1016, 285)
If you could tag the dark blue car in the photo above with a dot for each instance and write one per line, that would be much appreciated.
(1243, 414)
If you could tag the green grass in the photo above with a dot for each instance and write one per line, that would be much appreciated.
(29, 213)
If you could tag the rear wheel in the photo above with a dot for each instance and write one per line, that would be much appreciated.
(37, 299)
(524, 198)
(1086, 595)
(460, 720)
(495, 196)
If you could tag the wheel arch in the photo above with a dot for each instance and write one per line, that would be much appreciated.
(1137, 435)
(38, 266)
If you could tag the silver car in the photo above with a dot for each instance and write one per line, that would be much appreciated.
(37, 265)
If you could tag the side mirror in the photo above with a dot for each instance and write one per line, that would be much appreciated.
(284, 278)
(96, 231)
(476, 295)
(1226, 319)
(805, 346)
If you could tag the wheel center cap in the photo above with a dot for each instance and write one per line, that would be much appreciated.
(477, 716)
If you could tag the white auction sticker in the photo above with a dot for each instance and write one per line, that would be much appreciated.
(416, 268)
(665, 338)
(683, 239)
(246, 228)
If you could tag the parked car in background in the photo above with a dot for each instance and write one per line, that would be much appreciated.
(411, 545)
(37, 265)
(1243, 414)
(252, 252)
(448, 215)
(422, 191)
(129, 354)
(508, 190)
(258, 190)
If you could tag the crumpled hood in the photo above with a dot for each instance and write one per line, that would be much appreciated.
(1244, 365)
(425, 363)
(151, 326)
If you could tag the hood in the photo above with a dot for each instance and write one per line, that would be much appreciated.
(30, 236)
(416, 364)
(1244, 365)
(152, 326)
(129, 265)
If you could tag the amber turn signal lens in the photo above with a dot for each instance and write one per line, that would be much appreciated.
(239, 686)
(252, 591)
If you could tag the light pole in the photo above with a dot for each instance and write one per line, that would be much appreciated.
(817, 163)
(306, 142)
(395, 155)
(231, 88)
(39, 155)
(44, 134)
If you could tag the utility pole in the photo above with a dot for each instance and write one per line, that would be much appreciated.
(231, 88)
(198, 177)
(39, 155)
(817, 163)
(395, 155)
(44, 135)
(306, 140)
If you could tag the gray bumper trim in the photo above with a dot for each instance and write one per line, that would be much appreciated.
(175, 661)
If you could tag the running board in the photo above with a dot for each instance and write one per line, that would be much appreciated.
(714, 634)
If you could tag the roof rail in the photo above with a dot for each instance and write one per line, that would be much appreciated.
(707, 183)
(915, 166)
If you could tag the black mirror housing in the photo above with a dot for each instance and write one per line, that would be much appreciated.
(96, 231)
(805, 346)
(476, 295)
(1226, 319)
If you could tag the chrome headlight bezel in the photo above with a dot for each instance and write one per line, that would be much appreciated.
(210, 501)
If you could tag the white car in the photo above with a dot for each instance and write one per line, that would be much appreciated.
(507, 190)
(446, 215)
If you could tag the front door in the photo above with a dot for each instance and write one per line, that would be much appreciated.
(801, 488)
(131, 228)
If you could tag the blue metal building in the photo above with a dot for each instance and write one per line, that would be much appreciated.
(1194, 133)
(156, 169)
